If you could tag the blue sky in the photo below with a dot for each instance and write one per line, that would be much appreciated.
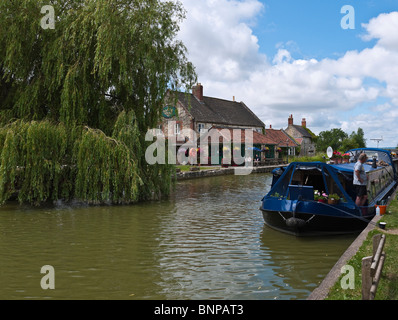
(285, 57)
(314, 25)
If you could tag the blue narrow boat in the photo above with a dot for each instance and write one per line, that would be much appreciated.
(290, 205)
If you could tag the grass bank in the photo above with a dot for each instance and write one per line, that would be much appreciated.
(388, 285)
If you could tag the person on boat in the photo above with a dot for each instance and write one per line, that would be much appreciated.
(360, 180)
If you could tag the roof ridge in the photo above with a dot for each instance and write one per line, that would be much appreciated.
(220, 111)
(222, 99)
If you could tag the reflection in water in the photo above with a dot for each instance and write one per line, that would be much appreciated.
(300, 264)
(216, 246)
(208, 241)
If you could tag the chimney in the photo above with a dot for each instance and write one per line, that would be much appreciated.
(197, 91)
(303, 123)
(290, 120)
(270, 126)
(233, 98)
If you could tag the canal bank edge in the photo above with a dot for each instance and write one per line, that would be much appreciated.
(322, 291)
(222, 171)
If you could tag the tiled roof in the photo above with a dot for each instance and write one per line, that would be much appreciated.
(219, 132)
(219, 111)
(280, 137)
(303, 132)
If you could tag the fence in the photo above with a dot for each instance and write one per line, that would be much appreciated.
(372, 267)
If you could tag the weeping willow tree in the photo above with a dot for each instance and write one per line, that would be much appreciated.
(77, 100)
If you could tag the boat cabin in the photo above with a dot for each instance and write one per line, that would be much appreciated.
(304, 178)
(291, 206)
(308, 177)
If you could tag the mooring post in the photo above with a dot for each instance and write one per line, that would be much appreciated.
(372, 268)
(366, 278)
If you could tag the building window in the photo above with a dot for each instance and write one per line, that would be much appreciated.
(177, 128)
(201, 127)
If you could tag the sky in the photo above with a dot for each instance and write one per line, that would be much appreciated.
(283, 57)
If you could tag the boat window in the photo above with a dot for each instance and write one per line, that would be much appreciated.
(303, 176)
(347, 183)
(332, 185)
(309, 177)
(382, 158)
(378, 180)
(281, 186)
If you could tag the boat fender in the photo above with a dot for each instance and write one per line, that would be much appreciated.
(295, 222)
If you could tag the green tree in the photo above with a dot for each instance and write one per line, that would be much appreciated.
(84, 94)
(355, 140)
(333, 138)
(359, 138)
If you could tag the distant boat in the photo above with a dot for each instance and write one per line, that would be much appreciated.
(290, 205)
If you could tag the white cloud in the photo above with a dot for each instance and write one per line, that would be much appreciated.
(226, 54)
(382, 107)
(220, 41)
(384, 28)
(282, 56)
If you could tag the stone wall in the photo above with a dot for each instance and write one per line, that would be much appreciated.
(220, 172)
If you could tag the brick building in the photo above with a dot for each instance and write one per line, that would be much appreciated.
(202, 114)
(302, 135)
(284, 144)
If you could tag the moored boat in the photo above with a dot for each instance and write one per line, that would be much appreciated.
(292, 204)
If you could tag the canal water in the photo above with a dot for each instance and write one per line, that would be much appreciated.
(208, 241)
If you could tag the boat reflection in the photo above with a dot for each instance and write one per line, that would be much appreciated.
(300, 263)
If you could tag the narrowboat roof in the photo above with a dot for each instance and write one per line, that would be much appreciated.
(370, 149)
(384, 154)
(349, 167)
(346, 167)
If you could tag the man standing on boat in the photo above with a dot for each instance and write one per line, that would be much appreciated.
(360, 180)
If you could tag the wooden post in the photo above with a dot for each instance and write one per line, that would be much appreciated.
(376, 241)
(372, 268)
(377, 277)
(376, 256)
(366, 278)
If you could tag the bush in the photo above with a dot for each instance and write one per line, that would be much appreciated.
(321, 157)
